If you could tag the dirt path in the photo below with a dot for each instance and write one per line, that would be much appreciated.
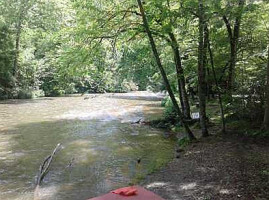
(217, 167)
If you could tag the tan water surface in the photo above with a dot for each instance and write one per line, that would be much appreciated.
(100, 145)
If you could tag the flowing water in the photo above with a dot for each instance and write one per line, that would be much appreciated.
(100, 145)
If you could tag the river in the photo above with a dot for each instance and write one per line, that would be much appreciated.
(100, 145)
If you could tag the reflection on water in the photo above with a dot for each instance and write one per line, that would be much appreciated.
(100, 145)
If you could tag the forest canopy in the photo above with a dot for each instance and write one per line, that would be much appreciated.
(207, 48)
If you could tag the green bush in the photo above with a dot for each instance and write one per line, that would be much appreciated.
(25, 94)
(165, 99)
(128, 86)
(3, 94)
(38, 93)
(169, 111)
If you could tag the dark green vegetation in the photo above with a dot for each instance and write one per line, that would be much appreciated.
(211, 56)
(202, 50)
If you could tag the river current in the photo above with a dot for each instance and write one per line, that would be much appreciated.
(100, 144)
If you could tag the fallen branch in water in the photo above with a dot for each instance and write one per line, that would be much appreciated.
(43, 171)
(44, 167)
(137, 122)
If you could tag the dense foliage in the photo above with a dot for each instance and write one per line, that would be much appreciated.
(211, 48)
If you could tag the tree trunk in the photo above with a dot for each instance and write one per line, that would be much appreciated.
(216, 83)
(205, 62)
(25, 5)
(266, 114)
(181, 78)
(201, 72)
(231, 68)
(17, 49)
(165, 79)
(208, 84)
(234, 39)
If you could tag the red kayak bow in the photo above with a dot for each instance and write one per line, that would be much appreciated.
(129, 193)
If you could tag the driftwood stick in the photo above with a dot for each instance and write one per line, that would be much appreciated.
(44, 167)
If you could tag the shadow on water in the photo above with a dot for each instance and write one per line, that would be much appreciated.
(97, 156)
(25, 101)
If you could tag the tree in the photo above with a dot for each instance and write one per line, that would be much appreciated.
(180, 77)
(164, 21)
(6, 60)
(96, 46)
(22, 10)
(172, 22)
(158, 61)
(216, 80)
(201, 70)
(266, 115)
(233, 34)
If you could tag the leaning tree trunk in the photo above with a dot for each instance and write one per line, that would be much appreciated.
(181, 78)
(201, 72)
(266, 115)
(165, 79)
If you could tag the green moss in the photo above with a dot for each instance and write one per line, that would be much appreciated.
(265, 172)
(152, 167)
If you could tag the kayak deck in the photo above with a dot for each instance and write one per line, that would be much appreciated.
(142, 194)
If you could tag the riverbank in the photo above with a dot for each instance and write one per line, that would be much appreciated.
(217, 167)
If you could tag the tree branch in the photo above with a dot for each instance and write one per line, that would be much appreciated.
(44, 168)
(228, 26)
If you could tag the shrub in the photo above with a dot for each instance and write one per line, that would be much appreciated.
(169, 112)
(25, 94)
(128, 86)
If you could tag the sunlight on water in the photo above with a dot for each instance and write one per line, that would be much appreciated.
(100, 145)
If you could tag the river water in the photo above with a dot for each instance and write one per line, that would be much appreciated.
(100, 145)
